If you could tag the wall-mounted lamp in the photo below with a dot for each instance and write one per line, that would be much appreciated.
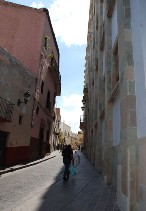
(26, 97)
(83, 108)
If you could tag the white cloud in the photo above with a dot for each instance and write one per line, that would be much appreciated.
(70, 20)
(37, 5)
(70, 107)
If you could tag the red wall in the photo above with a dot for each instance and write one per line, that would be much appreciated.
(16, 155)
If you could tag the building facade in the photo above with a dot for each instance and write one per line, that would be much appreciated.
(27, 33)
(15, 112)
(80, 139)
(66, 131)
(74, 141)
(114, 117)
(56, 129)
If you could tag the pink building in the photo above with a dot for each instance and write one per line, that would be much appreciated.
(15, 110)
(27, 34)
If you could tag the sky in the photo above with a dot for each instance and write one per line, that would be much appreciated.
(70, 24)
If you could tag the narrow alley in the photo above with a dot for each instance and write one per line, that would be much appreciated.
(40, 188)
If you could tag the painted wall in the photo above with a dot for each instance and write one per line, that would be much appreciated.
(21, 33)
(15, 80)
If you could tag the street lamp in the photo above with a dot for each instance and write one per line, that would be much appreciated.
(26, 97)
(83, 108)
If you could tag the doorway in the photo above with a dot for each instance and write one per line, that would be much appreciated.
(41, 138)
(3, 143)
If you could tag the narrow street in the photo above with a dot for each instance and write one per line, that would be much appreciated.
(21, 185)
(40, 188)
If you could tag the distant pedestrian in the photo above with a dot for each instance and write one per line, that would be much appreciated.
(67, 154)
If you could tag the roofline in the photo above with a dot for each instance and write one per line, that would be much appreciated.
(18, 5)
(37, 10)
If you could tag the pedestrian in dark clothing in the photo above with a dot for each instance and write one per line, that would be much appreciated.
(67, 154)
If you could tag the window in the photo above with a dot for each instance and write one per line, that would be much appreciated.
(103, 62)
(103, 131)
(48, 102)
(20, 119)
(46, 44)
(37, 110)
(42, 87)
(96, 66)
(65, 133)
(48, 131)
(116, 65)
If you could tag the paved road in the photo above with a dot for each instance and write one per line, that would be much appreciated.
(41, 188)
(20, 185)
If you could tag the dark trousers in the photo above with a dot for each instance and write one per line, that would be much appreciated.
(66, 164)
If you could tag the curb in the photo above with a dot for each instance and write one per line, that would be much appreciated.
(14, 168)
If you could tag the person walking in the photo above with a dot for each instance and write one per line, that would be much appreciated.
(67, 154)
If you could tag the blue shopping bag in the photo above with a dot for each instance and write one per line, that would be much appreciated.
(72, 170)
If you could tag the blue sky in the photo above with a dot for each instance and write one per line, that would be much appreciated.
(70, 21)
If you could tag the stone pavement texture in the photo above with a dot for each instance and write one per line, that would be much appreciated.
(86, 191)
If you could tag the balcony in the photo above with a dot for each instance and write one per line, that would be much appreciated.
(54, 70)
(82, 122)
(85, 90)
(56, 131)
(6, 110)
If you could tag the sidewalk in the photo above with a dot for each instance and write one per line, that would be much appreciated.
(21, 166)
(86, 191)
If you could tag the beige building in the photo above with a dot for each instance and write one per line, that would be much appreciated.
(66, 130)
(16, 108)
(74, 141)
(114, 116)
(80, 139)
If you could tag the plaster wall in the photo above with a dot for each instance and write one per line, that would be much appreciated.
(21, 33)
(43, 112)
(15, 80)
(139, 54)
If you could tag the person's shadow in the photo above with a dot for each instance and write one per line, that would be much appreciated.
(68, 195)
